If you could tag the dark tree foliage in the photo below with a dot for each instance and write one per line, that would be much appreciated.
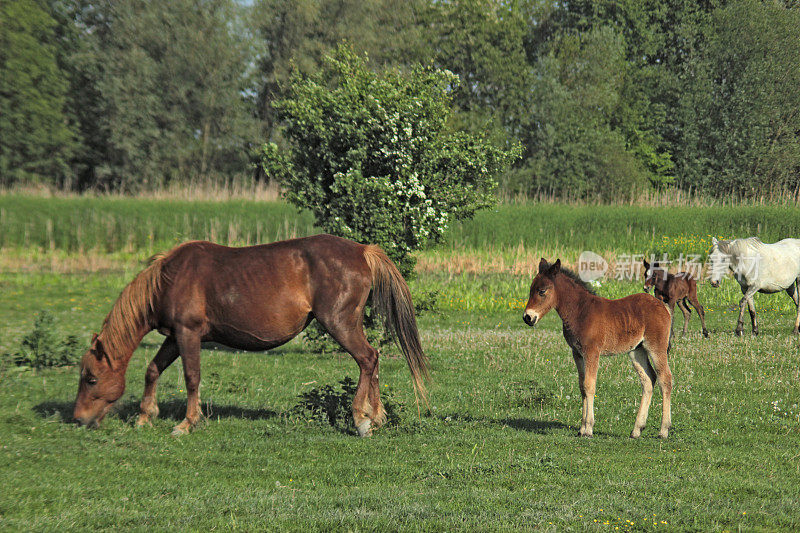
(606, 97)
(36, 139)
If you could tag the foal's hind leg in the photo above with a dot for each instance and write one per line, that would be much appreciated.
(641, 363)
(166, 355)
(189, 348)
(686, 314)
(700, 311)
(658, 353)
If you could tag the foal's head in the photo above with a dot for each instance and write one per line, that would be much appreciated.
(543, 295)
(99, 387)
(653, 274)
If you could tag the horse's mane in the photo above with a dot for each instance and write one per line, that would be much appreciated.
(578, 281)
(133, 309)
(745, 245)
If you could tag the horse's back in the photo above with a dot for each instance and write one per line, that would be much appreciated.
(257, 296)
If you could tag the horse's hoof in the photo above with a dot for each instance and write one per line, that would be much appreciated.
(142, 422)
(755, 332)
(738, 333)
(181, 429)
(636, 433)
(663, 434)
(705, 333)
(364, 429)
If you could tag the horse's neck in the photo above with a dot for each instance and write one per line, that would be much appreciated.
(120, 344)
(571, 299)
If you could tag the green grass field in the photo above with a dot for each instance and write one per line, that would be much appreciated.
(497, 451)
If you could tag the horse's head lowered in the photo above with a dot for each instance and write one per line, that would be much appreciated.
(652, 274)
(101, 384)
(543, 295)
(718, 261)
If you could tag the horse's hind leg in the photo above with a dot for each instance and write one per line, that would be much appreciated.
(641, 363)
(794, 291)
(164, 357)
(189, 348)
(367, 409)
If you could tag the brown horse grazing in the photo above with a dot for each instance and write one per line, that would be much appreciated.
(252, 298)
(595, 326)
(680, 288)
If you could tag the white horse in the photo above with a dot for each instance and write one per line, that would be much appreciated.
(758, 267)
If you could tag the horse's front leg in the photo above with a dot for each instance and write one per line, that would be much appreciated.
(591, 363)
(740, 322)
(189, 348)
(751, 306)
(148, 409)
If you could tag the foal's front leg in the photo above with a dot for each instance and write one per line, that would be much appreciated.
(591, 362)
(579, 364)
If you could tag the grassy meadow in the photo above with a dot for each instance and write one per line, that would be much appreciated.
(498, 449)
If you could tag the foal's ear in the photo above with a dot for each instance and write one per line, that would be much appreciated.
(646, 264)
(543, 265)
(714, 241)
(555, 269)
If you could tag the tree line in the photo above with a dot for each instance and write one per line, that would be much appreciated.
(604, 97)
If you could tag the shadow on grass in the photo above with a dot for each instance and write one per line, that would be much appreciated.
(170, 410)
(522, 424)
(534, 426)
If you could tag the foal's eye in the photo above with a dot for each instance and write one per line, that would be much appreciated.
(91, 380)
(542, 292)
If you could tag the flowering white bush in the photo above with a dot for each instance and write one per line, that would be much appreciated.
(373, 156)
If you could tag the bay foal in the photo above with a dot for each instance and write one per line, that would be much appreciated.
(595, 326)
(680, 288)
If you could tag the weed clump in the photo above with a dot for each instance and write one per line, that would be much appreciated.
(43, 347)
(332, 405)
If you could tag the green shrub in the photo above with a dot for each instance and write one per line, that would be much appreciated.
(326, 404)
(43, 348)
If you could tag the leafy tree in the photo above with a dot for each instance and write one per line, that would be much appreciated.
(373, 157)
(298, 34)
(744, 105)
(162, 91)
(36, 139)
(574, 149)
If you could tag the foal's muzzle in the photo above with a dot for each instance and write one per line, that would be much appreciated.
(529, 318)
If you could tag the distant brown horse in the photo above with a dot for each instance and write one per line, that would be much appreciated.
(680, 288)
(595, 326)
(252, 298)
